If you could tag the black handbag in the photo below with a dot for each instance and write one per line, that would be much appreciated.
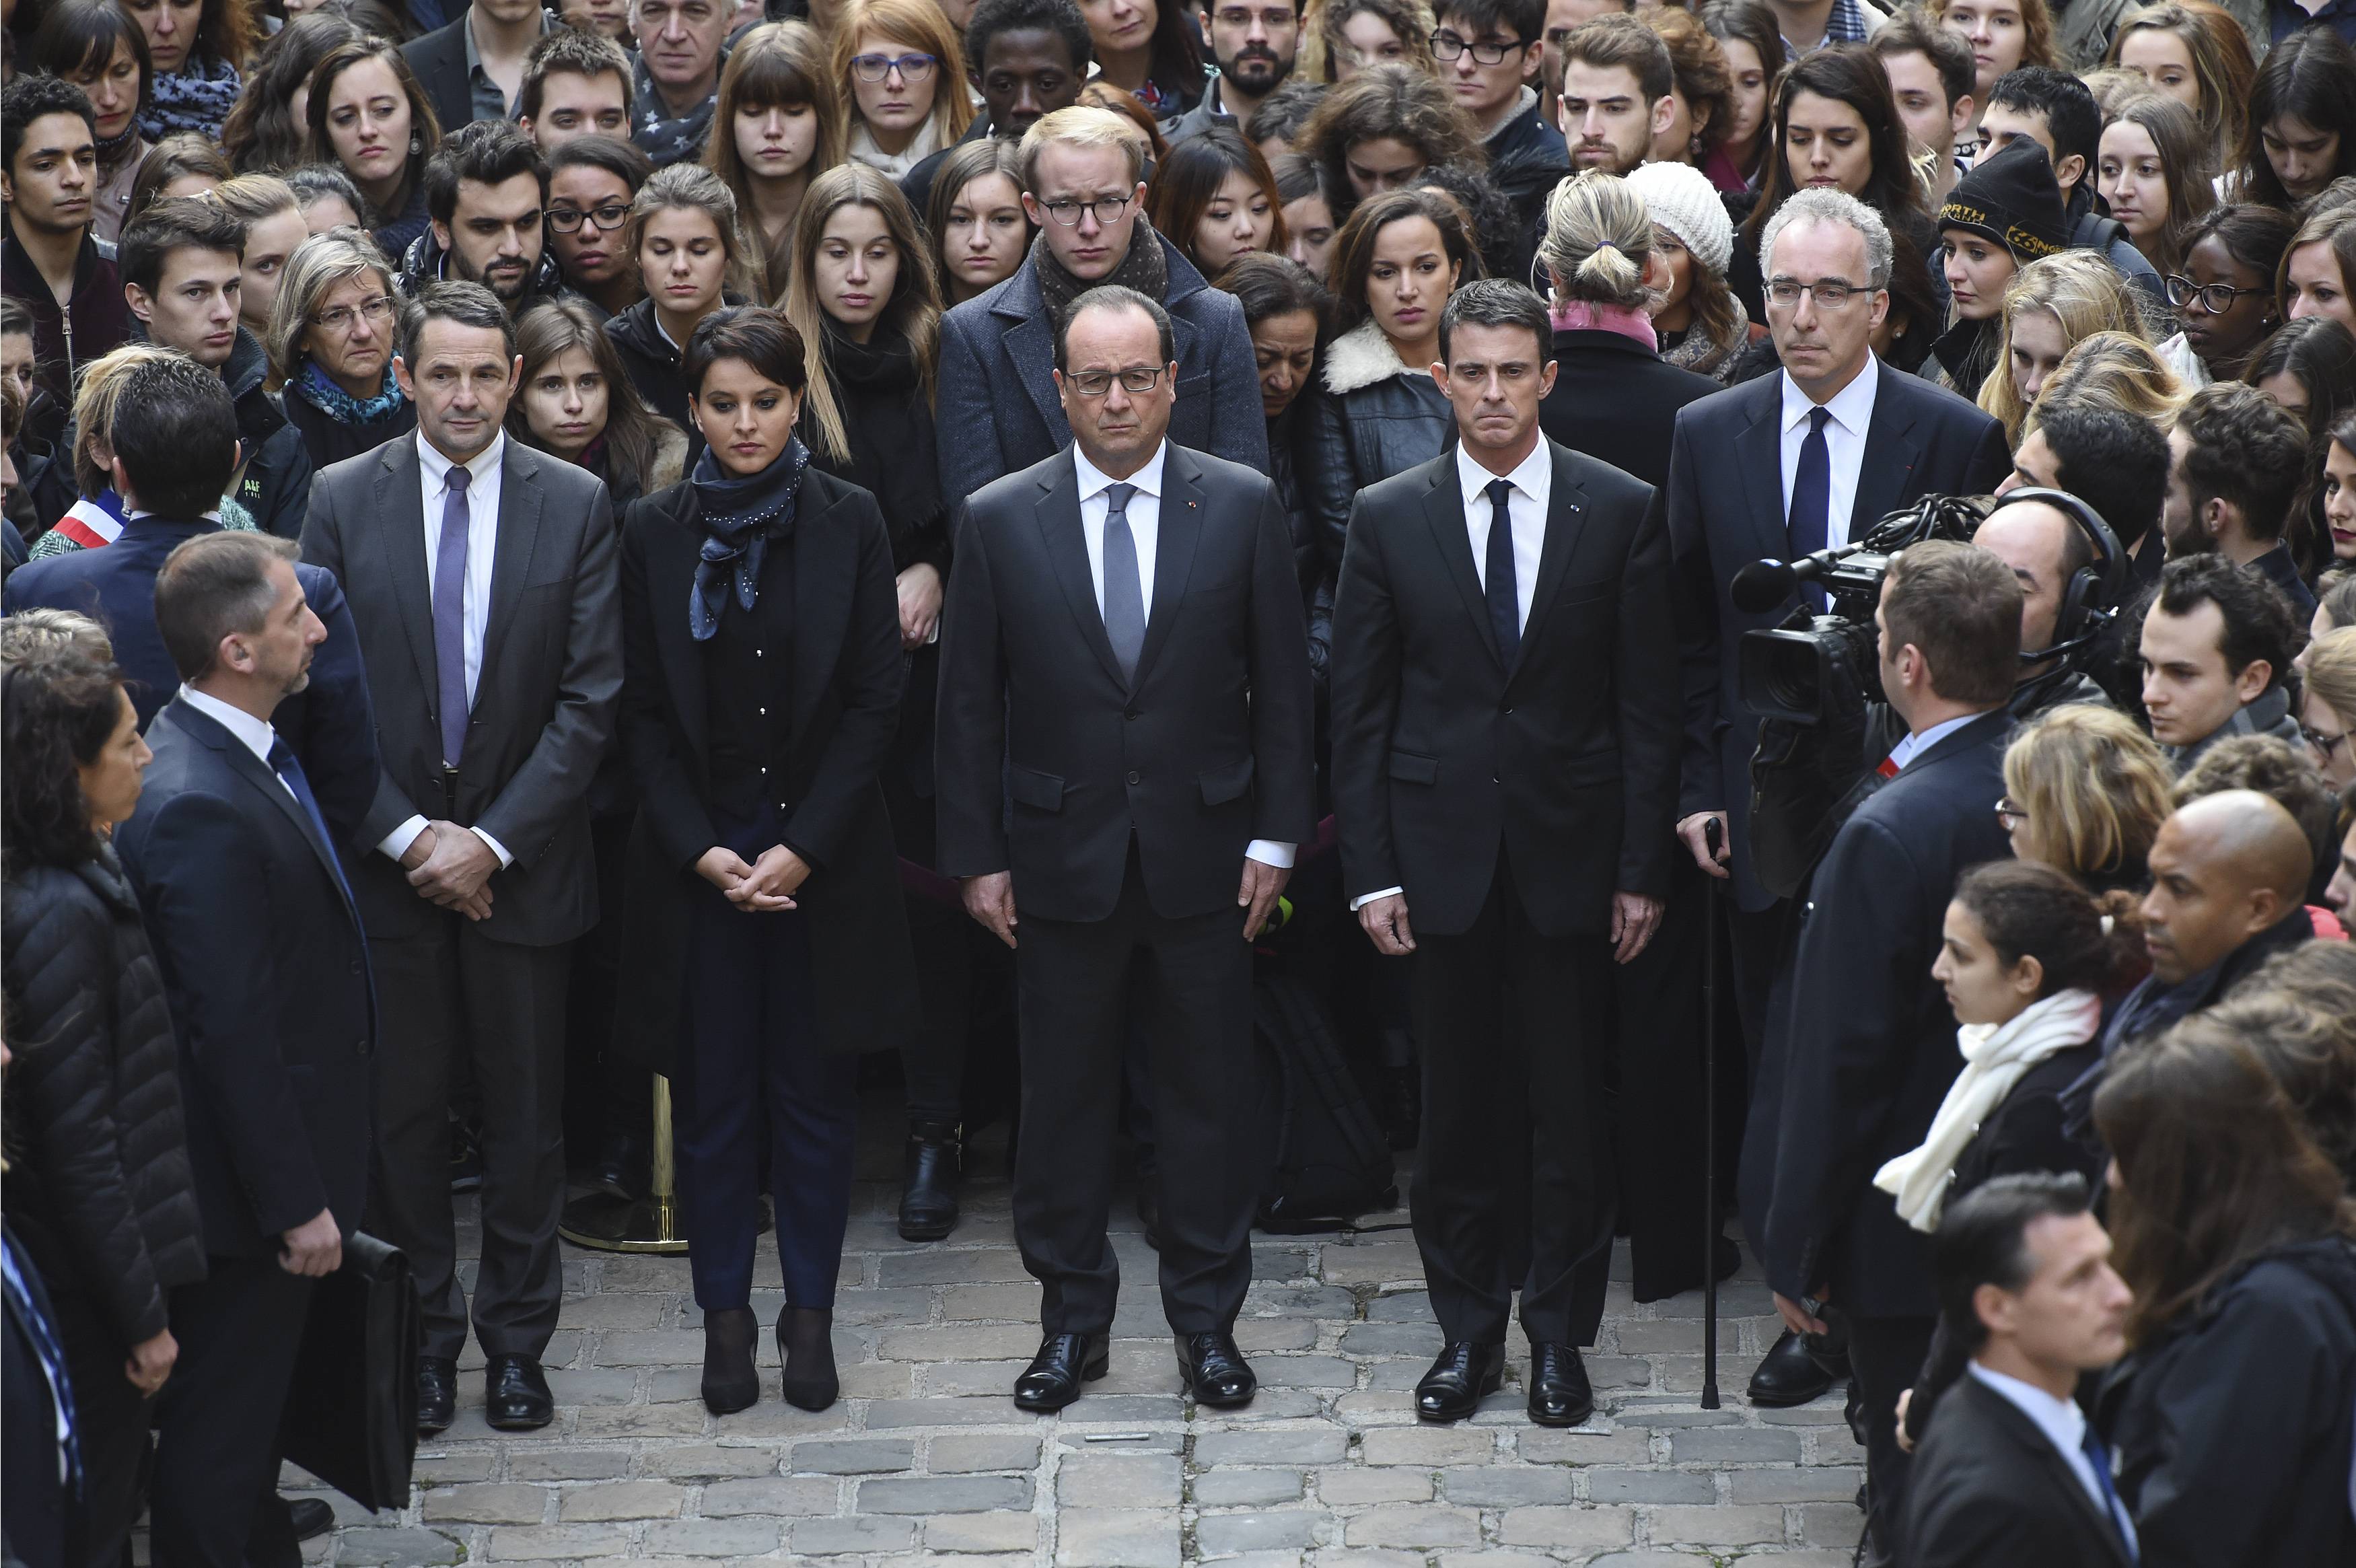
(351, 1410)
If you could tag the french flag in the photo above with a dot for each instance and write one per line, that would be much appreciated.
(93, 524)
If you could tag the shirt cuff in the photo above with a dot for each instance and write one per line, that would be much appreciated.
(498, 848)
(1268, 852)
(396, 844)
(1363, 900)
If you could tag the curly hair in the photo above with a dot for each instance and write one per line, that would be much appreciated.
(1703, 80)
(59, 704)
(1392, 103)
(1324, 46)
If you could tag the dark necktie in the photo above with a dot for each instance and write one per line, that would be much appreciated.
(289, 768)
(1124, 593)
(1810, 524)
(450, 616)
(1504, 603)
(2099, 1456)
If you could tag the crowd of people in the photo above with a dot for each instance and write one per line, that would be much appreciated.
(550, 548)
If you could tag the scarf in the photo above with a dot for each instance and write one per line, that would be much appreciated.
(341, 406)
(195, 98)
(665, 137)
(1144, 269)
(1631, 321)
(1995, 1058)
(923, 145)
(739, 516)
(1696, 350)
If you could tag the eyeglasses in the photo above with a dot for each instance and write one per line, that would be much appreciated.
(912, 67)
(1830, 293)
(566, 220)
(1097, 383)
(338, 319)
(2011, 815)
(2216, 298)
(1446, 47)
(2324, 745)
(1107, 209)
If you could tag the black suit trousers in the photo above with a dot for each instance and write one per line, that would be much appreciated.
(1074, 983)
(454, 996)
(1512, 1184)
(1884, 1355)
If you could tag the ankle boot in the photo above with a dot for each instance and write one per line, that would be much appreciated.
(806, 1345)
(929, 1173)
(730, 1382)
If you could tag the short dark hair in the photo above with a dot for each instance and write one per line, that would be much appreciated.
(2114, 461)
(1913, 31)
(1282, 112)
(175, 433)
(28, 99)
(1496, 302)
(2073, 118)
(2245, 449)
(1960, 605)
(1267, 286)
(756, 334)
(1983, 1239)
(176, 223)
(488, 151)
(211, 585)
(571, 50)
(1113, 296)
(1617, 37)
(625, 160)
(2258, 623)
(1060, 17)
(467, 304)
(1523, 20)
(58, 707)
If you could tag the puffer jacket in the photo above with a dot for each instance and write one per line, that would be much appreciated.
(102, 1192)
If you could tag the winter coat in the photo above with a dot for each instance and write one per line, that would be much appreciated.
(329, 440)
(1375, 417)
(653, 365)
(95, 321)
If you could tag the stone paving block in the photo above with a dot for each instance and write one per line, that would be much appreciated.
(1418, 1528)
(1502, 1486)
(1665, 1560)
(1420, 1339)
(714, 1537)
(649, 1348)
(1573, 1528)
(1246, 1489)
(860, 1533)
(1301, 1301)
(1341, 1558)
(982, 1532)
(1433, 1446)
(1831, 1524)
(614, 1500)
(1001, 1303)
(449, 1469)
(1349, 1263)
(1352, 1487)
(997, 1411)
(864, 1308)
(552, 1541)
(1736, 1445)
(1229, 1535)
(980, 1451)
(1272, 1404)
(772, 1495)
(1835, 1445)
(966, 1379)
(704, 1459)
(681, 1420)
(944, 1494)
(407, 1546)
(1305, 1371)
(487, 1504)
(1542, 1446)
(1116, 1537)
(1726, 1526)
(1649, 1486)
(854, 1455)
(1280, 1445)
(603, 1385)
(1401, 1306)
(1119, 1481)
(1805, 1484)
(1481, 1559)
(954, 1266)
(958, 1342)
(1622, 1372)
(568, 1464)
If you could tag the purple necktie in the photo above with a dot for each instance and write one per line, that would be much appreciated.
(450, 617)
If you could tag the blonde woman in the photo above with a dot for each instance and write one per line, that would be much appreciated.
(2085, 792)
(778, 122)
(2117, 370)
(903, 71)
(684, 234)
(97, 516)
(2051, 305)
(2330, 705)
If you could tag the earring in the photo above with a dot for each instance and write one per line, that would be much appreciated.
(416, 146)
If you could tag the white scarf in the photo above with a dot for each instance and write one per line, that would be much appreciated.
(1995, 1058)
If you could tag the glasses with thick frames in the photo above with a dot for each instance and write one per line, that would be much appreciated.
(912, 67)
(566, 220)
(1097, 383)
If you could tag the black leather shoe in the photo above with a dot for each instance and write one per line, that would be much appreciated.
(1214, 1371)
(438, 1393)
(620, 1170)
(806, 1347)
(929, 1169)
(1559, 1394)
(309, 1517)
(1064, 1361)
(730, 1382)
(1788, 1375)
(514, 1394)
(1463, 1373)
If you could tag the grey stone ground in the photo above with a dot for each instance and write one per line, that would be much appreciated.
(925, 1460)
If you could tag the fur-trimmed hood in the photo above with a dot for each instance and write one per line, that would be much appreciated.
(1360, 357)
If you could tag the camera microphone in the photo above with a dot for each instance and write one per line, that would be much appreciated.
(1764, 585)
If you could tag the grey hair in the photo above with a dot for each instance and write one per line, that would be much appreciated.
(1823, 204)
(318, 264)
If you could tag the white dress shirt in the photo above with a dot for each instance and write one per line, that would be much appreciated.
(2064, 1425)
(1144, 516)
(1852, 416)
(257, 736)
(484, 476)
(1914, 746)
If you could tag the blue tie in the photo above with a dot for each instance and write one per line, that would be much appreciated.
(283, 762)
(1504, 603)
(2099, 1456)
(1124, 590)
(1810, 524)
(450, 617)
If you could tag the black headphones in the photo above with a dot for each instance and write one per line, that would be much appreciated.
(2090, 597)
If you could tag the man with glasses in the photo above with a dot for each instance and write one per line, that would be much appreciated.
(591, 182)
(1124, 772)
(682, 44)
(1254, 43)
(1488, 51)
(574, 85)
(1083, 186)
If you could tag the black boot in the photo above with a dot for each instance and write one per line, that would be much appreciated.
(806, 1345)
(928, 1181)
(730, 1382)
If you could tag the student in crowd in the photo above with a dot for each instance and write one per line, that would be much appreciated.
(1308, 211)
(487, 189)
(1098, 94)
(1752, 47)
(1358, 36)
(1215, 199)
(52, 264)
(978, 223)
(1275, 126)
(682, 46)
(2297, 1011)
(1286, 309)
(97, 46)
(2225, 294)
(2153, 170)
(1026, 58)
(2005, 34)
(2085, 792)
(2004, 214)
(2237, 463)
(1701, 326)
(574, 85)
(1151, 49)
(2054, 110)
(473, 67)
(2207, 68)
(327, 196)
(2308, 368)
(2328, 705)
(2216, 650)
(368, 115)
(2301, 131)
(197, 65)
(1932, 81)
(182, 164)
(1380, 129)
(1253, 45)
(901, 72)
(2121, 370)
(273, 228)
(685, 238)
(573, 400)
(1617, 93)
(330, 341)
(2317, 268)
(779, 123)
(1487, 51)
(2050, 305)
(266, 131)
(2116, 460)
(2337, 494)
(1700, 90)
(591, 182)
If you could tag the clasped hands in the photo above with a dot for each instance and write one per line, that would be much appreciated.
(451, 866)
(762, 887)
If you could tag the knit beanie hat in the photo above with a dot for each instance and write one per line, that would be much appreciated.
(1682, 201)
(2011, 197)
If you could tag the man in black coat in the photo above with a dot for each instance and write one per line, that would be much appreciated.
(1871, 1048)
(1504, 752)
(1124, 720)
(266, 972)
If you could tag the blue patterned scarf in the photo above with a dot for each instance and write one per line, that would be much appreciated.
(341, 406)
(196, 98)
(740, 516)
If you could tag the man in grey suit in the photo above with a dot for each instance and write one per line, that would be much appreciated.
(485, 579)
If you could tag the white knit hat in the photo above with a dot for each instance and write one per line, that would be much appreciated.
(1682, 201)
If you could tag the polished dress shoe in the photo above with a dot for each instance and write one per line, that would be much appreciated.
(1064, 1361)
(929, 1169)
(621, 1168)
(1559, 1394)
(309, 1517)
(1215, 1373)
(1788, 1375)
(730, 1383)
(438, 1393)
(514, 1394)
(1452, 1389)
(806, 1347)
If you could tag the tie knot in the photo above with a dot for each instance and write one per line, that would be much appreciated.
(281, 757)
(1818, 418)
(1117, 497)
(457, 478)
(1498, 490)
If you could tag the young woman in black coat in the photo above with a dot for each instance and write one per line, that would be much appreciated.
(99, 1189)
(760, 701)
(685, 234)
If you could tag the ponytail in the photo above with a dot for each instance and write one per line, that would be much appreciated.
(1599, 235)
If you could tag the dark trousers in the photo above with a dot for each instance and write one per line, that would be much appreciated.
(1512, 1174)
(752, 1058)
(214, 1500)
(1884, 1355)
(1077, 983)
(932, 1061)
(111, 1424)
(450, 996)
(606, 1095)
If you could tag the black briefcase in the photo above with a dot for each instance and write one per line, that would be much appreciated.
(351, 1411)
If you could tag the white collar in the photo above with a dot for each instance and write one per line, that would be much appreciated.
(1093, 479)
(438, 467)
(1851, 407)
(2063, 1424)
(256, 735)
(1916, 745)
(1532, 476)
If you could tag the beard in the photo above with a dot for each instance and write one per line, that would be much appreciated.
(1257, 70)
(508, 282)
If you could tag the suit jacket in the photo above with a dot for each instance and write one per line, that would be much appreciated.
(1208, 750)
(1870, 1051)
(1988, 1489)
(997, 413)
(1445, 755)
(1923, 440)
(439, 58)
(266, 971)
(544, 700)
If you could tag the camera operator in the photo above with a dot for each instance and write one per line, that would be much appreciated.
(2069, 578)
(1869, 1052)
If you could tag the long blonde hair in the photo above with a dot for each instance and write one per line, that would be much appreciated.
(2331, 672)
(2078, 288)
(919, 24)
(2115, 370)
(914, 311)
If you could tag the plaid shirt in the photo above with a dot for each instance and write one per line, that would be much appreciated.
(1844, 25)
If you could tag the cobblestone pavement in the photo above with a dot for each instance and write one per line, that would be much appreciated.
(926, 1460)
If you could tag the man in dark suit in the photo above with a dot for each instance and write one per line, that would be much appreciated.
(473, 68)
(484, 588)
(1871, 1047)
(1820, 453)
(1504, 610)
(2009, 1471)
(266, 973)
(1124, 660)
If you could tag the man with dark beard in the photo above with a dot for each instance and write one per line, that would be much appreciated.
(485, 188)
(1254, 43)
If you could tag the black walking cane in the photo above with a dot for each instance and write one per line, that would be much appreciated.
(1710, 831)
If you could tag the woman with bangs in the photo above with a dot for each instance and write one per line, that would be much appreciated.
(904, 69)
(2051, 305)
(2153, 168)
(196, 49)
(2301, 133)
(1216, 198)
(779, 121)
(369, 115)
(96, 45)
(2194, 53)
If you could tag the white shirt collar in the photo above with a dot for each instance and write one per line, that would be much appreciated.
(2063, 1424)
(1914, 746)
(1093, 479)
(257, 734)
(438, 467)
(1533, 475)
(1851, 407)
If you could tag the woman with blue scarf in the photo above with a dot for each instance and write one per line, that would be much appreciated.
(760, 698)
(330, 342)
(197, 49)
